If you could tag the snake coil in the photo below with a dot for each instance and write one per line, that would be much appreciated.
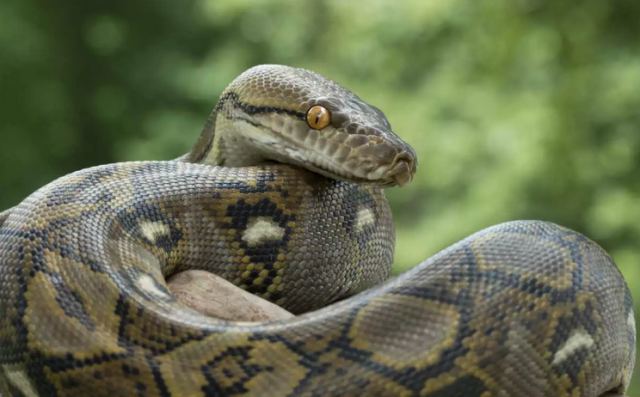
(525, 308)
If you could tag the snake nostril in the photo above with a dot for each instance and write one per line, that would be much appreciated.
(403, 168)
(408, 158)
(401, 173)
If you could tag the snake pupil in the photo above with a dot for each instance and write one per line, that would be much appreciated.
(318, 117)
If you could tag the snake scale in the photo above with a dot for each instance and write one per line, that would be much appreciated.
(525, 308)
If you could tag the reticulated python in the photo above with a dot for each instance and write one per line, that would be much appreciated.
(519, 309)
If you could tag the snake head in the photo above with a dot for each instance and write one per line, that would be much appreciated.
(295, 116)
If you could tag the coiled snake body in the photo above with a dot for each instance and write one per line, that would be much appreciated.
(519, 309)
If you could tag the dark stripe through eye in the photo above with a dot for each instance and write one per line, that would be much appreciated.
(250, 109)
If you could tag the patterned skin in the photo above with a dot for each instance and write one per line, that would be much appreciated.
(524, 308)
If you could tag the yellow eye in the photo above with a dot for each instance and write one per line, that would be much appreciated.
(318, 117)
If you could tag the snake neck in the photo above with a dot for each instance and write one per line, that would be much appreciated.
(225, 142)
(201, 149)
(210, 146)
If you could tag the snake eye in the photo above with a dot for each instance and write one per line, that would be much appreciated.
(318, 117)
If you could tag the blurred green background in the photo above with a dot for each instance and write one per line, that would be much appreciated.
(516, 108)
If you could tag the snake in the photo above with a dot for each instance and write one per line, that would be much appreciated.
(283, 195)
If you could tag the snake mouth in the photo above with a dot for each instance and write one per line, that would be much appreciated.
(398, 174)
(378, 162)
(403, 169)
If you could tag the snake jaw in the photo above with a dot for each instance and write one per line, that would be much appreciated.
(379, 159)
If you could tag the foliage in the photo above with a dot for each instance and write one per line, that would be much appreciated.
(517, 109)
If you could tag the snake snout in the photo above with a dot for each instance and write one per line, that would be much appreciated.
(403, 169)
(386, 160)
(396, 158)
